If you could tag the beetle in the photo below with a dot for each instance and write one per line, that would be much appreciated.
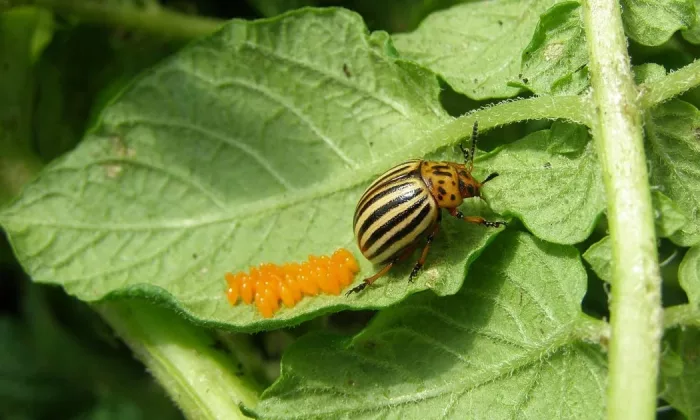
(405, 203)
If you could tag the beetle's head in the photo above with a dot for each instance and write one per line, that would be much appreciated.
(470, 187)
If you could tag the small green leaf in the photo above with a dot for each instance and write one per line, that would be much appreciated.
(550, 180)
(689, 275)
(649, 72)
(667, 221)
(507, 345)
(680, 373)
(555, 60)
(475, 47)
(673, 148)
(668, 217)
(246, 147)
(653, 22)
(692, 34)
(599, 256)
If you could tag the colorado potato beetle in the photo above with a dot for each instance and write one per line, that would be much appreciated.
(403, 205)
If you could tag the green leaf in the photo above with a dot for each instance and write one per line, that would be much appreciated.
(673, 149)
(550, 180)
(668, 220)
(653, 22)
(649, 72)
(246, 147)
(475, 47)
(508, 345)
(555, 60)
(599, 256)
(680, 373)
(689, 275)
(692, 34)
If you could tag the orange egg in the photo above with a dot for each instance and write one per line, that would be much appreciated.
(307, 284)
(339, 274)
(268, 284)
(233, 287)
(247, 289)
(263, 306)
(287, 296)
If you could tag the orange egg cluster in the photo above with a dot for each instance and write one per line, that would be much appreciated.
(269, 284)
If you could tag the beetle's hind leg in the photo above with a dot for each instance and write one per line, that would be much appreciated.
(424, 254)
(369, 280)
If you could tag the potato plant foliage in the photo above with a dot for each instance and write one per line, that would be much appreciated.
(181, 146)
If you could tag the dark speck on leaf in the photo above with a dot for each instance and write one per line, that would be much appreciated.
(520, 76)
(525, 80)
(371, 144)
(500, 22)
(476, 80)
(346, 70)
(194, 256)
(547, 165)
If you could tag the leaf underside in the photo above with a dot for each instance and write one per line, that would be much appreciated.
(653, 23)
(245, 147)
(674, 151)
(550, 180)
(475, 47)
(505, 346)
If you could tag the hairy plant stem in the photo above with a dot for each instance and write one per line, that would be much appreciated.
(163, 22)
(572, 108)
(671, 85)
(201, 379)
(636, 312)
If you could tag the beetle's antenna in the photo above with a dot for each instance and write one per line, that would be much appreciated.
(465, 153)
(489, 178)
(470, 159)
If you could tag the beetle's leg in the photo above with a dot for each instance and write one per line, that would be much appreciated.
(475, 219)
(369, 280)
(424, 254)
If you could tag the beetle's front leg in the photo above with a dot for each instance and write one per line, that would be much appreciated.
(476, 219)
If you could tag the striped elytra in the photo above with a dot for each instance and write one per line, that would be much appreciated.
(393, 212)
(404, 205)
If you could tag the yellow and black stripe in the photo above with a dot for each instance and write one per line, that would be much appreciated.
(393, 212)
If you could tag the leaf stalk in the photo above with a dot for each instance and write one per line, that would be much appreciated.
(156, 20)
(201, 379)
(636, 312)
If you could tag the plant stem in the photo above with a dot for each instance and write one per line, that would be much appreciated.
(200, 378)
(673, 84)
(636, 312)
(572, 108)
(157, 20)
